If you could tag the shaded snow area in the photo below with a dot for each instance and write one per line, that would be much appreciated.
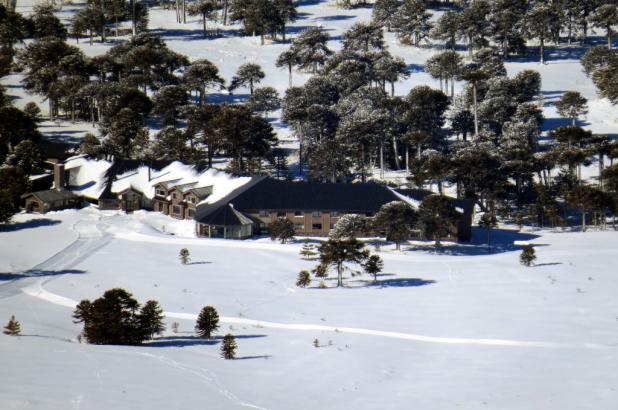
(458, 327)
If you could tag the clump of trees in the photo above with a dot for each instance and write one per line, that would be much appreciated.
(117, 318)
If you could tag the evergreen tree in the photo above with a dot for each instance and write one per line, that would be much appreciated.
(605, 16)
(338, 252)
(412, 23)
(202, 75)
(311, 49)
(437, 217)
(151, 319)
(505, 22)
(248, 74)
(125, 136)
(597, 57)
(15, 183)
(364, 37)
(207, 322)
(527, 256)
(264, 100)
(285, 13)
(171, 144)
(539, 25)
(115, 318)
(168, 103)
(349, 226)
(13, 328)
(448, 28)
(184, 256)
(571, 105)
(90, 145)
(304, 279)
(488, 221)
(228, 347)
(396, 220)
(308, 252)
(474, 24)
(204, 8)
(289, 59)
(282, 229)
(46, 24)
(373, 265)
(584, 198)
(384, 12)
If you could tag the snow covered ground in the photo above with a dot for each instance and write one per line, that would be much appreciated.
(454, 328)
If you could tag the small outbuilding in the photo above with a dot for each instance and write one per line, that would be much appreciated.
(50, 200)
(225, 222)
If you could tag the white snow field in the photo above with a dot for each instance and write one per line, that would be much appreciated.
(455, 328)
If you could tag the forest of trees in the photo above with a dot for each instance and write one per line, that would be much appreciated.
(484, 140)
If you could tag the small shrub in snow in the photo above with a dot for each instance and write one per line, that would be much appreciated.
(184, 256)
(175, 327)
(228, 347)
(322, 285)
(527, 256)
(13, 328)
(207, 322)
(320, 271)
(308, 251)
(316, 343)
(304, 279)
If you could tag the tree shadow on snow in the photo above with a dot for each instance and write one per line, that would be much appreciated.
(32, 223)
(199, 263)
(187, 341)
(547, 264)
(34, 273)
(401, 283)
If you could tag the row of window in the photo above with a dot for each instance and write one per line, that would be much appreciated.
(315, 214)
(314, 227)
(175, 196)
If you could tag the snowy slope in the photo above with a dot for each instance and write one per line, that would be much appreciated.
(479, 326)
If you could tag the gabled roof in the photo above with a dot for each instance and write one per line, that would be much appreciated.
(226, 216)
(201, 192)
(205, 209)
(51, 195)
(275, 194)
(418, 195)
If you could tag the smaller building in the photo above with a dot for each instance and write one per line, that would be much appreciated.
(179, 200)
(50, 200)
(225, 222)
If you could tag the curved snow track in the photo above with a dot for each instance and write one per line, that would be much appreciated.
(92, 237)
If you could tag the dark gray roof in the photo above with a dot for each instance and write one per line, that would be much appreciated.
(272, 194)
(204, 210)
(226, 215)
(51, 195)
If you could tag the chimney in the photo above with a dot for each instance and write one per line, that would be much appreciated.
(59, 176)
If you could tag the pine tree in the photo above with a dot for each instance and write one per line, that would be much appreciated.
(448, 28)
(396, 219)
(436, 217)
(184, 256)
(412, 22)
(606, 16)
(527, 256)
(384, 11)
(349, 226)
(228, 347)
(151, 319)
(304, 279)
(308, 251)
(373, 266)
(264, 100)
(338, 252)
(13, 328)
(207, 322)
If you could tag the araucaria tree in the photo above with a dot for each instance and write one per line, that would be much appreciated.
(373, 266)
(13, 328)
(571, 105)
(116, 318)
(228, 347)
(207, 322)
(337, 253)
(527, 256)
(248, 74)
(436, 217)
(282, 229)
(184, 256)
(396, 220)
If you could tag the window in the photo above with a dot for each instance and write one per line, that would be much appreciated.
(191, 213)
(299, 227)
(174, 195)
(176, 210)
(332, 226)
(316, 214)
(335, 214)
(192, 199)
(299, 213)
(316, 227)
(280, 214)
(160, 192)
(264, 213)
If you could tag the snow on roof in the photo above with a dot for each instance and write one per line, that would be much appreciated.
(88, 178)
(408, 200)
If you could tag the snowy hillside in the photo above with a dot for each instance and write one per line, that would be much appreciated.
(455, 329)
